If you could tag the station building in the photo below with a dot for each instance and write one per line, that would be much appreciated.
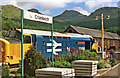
(110, 39)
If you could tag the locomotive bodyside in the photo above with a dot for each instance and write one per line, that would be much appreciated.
(61, 45)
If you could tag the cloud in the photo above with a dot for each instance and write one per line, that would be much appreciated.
(46, 12)
(92, 4)
(27, 5)
(52, 5)
(81, 10)
(45, 4)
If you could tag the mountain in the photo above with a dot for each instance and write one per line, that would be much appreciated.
(91, 22)
(10, 12)
(111, 11)
(11, 18)
(69, 15)
(34, 10)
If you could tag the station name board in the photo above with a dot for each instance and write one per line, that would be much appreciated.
(37, 17)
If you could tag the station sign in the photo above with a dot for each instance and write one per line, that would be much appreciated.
(37, 17)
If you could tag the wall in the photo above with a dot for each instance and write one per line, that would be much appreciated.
(108, 42)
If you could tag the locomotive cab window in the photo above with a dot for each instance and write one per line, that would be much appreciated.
(87, 45)
(27, 39)
(13, 34)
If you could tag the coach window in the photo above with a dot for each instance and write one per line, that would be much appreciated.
(27, 39)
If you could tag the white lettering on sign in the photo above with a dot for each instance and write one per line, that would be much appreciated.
(37, 17)
(55, 45)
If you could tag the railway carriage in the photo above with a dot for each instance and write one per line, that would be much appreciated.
(62, 43)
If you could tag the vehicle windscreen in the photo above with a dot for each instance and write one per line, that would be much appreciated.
(13, 36)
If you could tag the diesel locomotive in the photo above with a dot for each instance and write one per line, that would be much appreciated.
(62, 42)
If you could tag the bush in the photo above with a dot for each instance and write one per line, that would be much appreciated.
(90, 55)
(33, 60)
(66, 60)
(101, 65)
(63, 64)
(5, 70)
(113, 61)
(93, 50)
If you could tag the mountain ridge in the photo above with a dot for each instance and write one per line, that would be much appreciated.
(70, 14)
(11, 16)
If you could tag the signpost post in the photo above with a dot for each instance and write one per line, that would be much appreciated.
(35, 17)
(22, 43)
(52, 46)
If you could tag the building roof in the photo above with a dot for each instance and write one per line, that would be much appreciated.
(93, 32)
(48, 33)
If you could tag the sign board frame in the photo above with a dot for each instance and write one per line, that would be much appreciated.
(35, 17)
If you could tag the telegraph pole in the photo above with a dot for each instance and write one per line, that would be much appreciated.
(102, 33)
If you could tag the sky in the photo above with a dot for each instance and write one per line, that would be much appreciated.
(56, 7)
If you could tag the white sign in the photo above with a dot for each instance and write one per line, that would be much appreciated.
(55, 45)
(37, 17)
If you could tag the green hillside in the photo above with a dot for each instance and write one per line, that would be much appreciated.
(91, 22)
(11, 19)
(69, 15)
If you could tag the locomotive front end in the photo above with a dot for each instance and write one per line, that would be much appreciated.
(4, 50)
(11, 46)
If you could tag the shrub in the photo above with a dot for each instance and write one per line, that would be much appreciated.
(90, 55)
(93, 50)
(5, 70)
(113, 61)
(66, 60)
(107, 65)
(63, 64)
(101, 65)
(113, 54)
(33, 60)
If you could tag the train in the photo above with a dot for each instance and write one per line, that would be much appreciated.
(62, 42)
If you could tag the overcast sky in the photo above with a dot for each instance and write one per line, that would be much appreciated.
(56, 7)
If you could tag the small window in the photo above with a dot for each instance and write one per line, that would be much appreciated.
(87, 45)
(68, 37)
(43, 42)
(70, 31)
(64, 37)
(76, 42)
(27, 39)
(116, 43)
(46, 37)
(59, 37)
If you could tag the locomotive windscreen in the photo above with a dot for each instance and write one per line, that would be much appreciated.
(13, 36)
